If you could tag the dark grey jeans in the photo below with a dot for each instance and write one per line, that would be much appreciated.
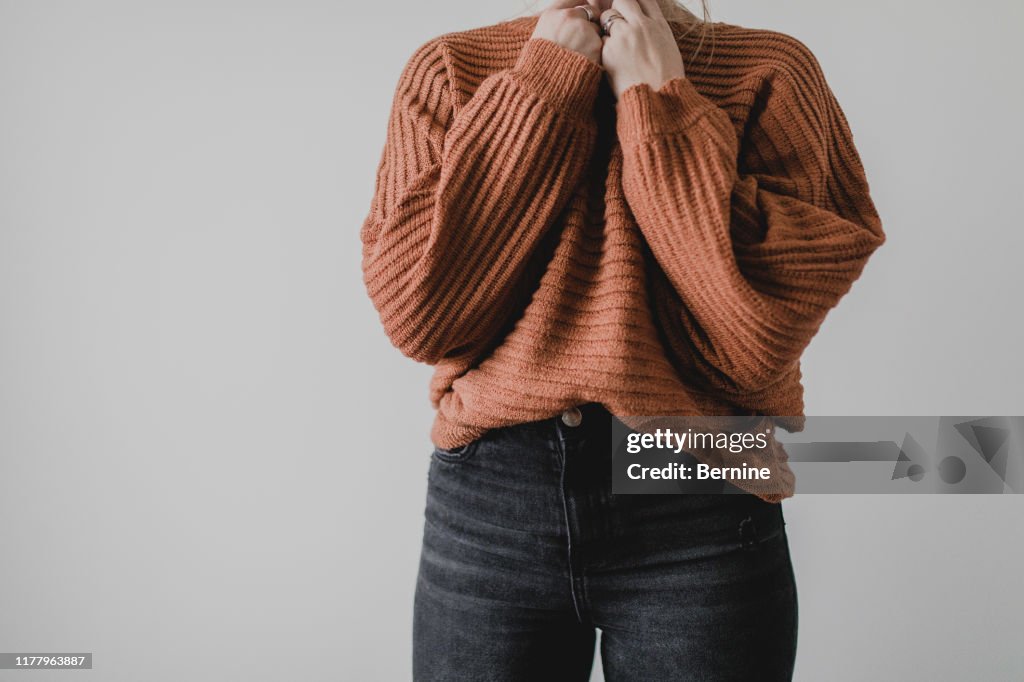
(526, 553)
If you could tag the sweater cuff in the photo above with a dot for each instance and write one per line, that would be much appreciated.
(643, 111)
(564, 78)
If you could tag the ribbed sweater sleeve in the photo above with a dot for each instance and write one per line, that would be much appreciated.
(759, 250)
(465, 192)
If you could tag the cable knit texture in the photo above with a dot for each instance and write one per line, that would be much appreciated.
(543, 245)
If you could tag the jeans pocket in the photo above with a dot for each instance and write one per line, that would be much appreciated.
(759, 527)
(456, 454)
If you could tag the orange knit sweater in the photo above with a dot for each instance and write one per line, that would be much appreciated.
(543, 245)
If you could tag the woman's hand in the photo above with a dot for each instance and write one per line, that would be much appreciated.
(639, 47)
(563, 22)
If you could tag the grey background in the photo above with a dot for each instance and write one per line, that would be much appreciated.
(212, 464)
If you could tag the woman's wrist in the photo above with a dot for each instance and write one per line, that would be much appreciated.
(565, 79)
(643, 111)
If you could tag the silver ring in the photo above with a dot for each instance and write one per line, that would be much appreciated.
(586, 8)
(608, 22)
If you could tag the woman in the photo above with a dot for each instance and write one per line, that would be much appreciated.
(578, 215)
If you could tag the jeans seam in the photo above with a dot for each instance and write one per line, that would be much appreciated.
(568, 530)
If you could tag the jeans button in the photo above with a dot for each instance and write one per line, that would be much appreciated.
(572, 417)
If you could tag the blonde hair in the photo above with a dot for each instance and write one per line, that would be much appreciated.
(683, 21)
(680, 13)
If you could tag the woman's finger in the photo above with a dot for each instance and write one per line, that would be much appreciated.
(651, 8)
(629, 9)
(611, 12)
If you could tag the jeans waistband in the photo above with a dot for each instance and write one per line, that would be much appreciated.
(586, 421)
